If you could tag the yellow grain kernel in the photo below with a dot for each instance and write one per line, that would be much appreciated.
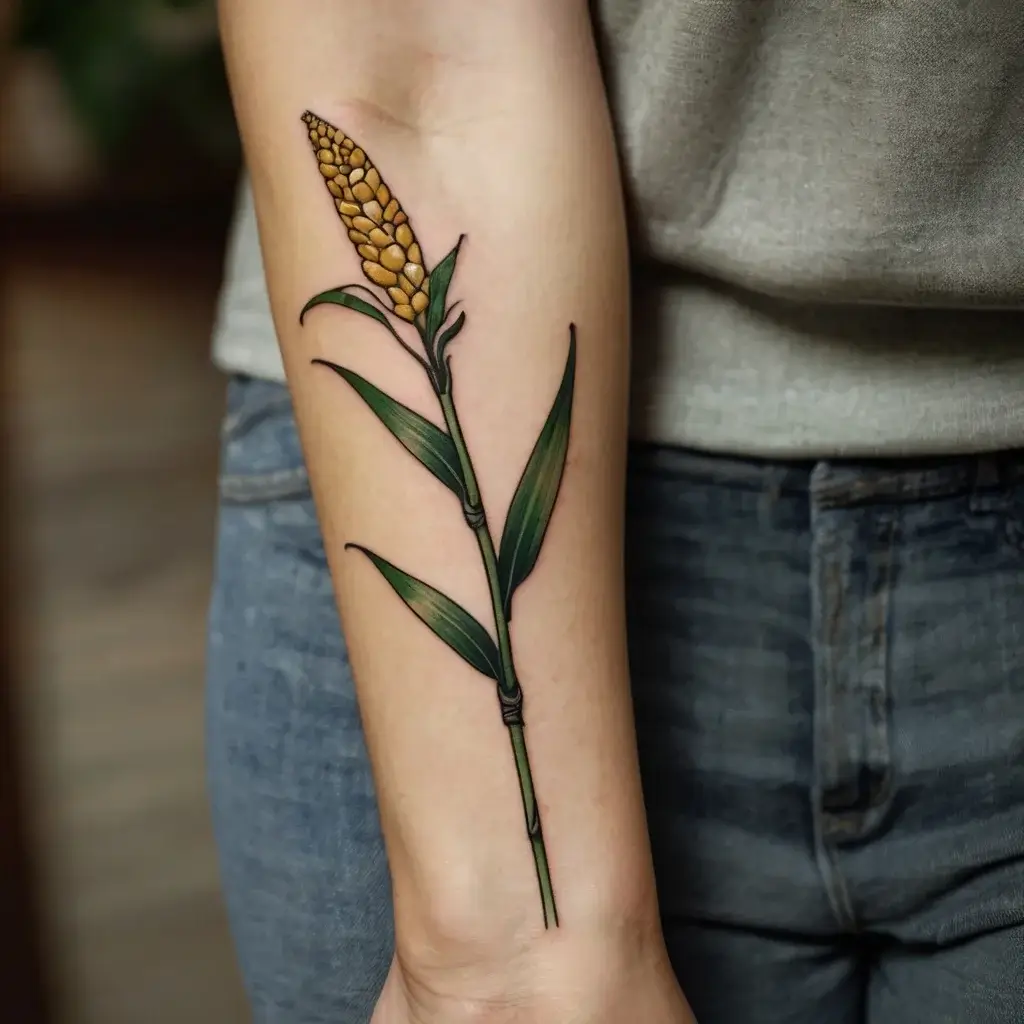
(383, 195)
(363, 224)
(415, 256)
(393, 257)
(406, 313)
(391, 210)
(347, 193)
(325, 156)
(406, 285)
(350, 209)
(420, 302)
(414, 272)
(380, 238)
(372, 178)
(400, 217)
(360, 189)
(358, 237)
(371, 209)
(379, 275)
(397, 295)
(370, 252)
(356, 176)
(328, 170)
(347, 221)
(357, 158)
(404, 236)
(335, 189)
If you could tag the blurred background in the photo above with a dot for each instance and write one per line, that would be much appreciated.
(118, 159)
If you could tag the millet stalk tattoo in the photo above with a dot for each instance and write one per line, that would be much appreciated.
(408, 297)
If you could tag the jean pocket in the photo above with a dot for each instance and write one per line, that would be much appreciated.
(261, 457)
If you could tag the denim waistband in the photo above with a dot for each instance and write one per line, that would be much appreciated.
(836, 483)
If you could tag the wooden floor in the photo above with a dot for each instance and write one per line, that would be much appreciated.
(115, 411)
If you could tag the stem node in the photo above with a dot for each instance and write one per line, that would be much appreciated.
(511, 705)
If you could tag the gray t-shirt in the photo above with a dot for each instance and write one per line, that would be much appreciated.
(828, 204)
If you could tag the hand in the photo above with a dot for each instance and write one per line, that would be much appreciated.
(606, 989)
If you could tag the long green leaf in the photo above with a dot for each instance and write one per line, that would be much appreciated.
(449, 621)
(343, 297)
(449, 335)
(440, 279)
(534, 500)
(431, 445)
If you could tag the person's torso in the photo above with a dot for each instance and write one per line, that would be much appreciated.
(865, 151)
(828, 214)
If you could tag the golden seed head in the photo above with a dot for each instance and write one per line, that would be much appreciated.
(380, 230)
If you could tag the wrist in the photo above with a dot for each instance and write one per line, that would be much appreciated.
(482, 912)
(479, 965)
(587, 978)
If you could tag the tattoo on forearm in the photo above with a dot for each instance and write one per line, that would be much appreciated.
(413, 305)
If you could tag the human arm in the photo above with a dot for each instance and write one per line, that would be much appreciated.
(489, 121)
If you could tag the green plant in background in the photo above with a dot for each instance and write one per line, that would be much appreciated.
(122, 61)
(393, 261)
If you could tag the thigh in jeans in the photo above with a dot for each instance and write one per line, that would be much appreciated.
(941, 881)
(302, 857)
(719, 556)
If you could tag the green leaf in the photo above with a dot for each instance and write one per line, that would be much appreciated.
(534, 500)
(449, 621)
(440, 279)
(431, 445)
(343, 297)
(449, 335)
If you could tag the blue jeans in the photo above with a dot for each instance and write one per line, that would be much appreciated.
(828, 672)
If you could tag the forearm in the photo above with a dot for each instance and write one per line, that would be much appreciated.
(489, 124)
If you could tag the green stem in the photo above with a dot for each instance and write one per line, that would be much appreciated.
(510, 692)
(533, 829)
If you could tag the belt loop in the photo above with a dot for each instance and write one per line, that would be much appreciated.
(988, 480)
